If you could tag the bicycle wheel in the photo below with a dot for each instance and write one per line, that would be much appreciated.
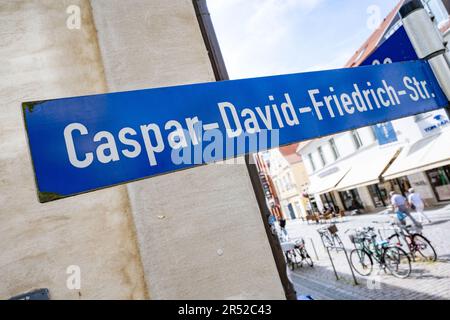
(307, 258)
(397, 261)
(290, 259)
(423, 246)
(403, 243)
(361, 262)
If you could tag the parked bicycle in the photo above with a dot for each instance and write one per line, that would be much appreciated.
(368, 248)
(330, 237)
(415, 242)
(296, 255)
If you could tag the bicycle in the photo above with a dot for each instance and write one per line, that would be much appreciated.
(367, 249)
(297, 254)
(330, 237)
(414, 241)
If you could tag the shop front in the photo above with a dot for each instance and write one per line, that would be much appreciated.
(321, 188)
(379, 194)
(399, 185)
(365, 173)
(351, 200)
(329, 201)
(425, 166)
(440, 182)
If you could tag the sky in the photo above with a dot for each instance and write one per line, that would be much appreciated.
(269, 37)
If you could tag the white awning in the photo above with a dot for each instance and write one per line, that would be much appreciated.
(425, 154)
(327, 181)
(367, 167)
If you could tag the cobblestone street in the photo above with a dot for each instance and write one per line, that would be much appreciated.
(428, 280)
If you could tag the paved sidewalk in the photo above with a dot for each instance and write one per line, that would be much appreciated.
(428, 280)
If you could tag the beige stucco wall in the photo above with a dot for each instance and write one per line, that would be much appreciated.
(200, 231)
(41, 58)
(300, 175)
(193, 234)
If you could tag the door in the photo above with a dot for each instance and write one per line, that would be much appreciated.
(291, 211)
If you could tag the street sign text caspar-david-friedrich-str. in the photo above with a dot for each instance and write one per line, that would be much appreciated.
(86, 143)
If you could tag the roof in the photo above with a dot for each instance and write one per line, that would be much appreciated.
(372, 42)
(290, 154)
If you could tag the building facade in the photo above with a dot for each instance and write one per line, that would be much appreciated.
(289, 179)
(356, 170)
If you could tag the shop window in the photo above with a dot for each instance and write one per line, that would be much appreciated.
(351, 200)
(379, 195)
(329, 202)
(440, 182)
(404, 185)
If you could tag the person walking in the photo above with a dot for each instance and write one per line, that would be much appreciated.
(415, 202)
(282, 223)
(400, 205)
(272, 221)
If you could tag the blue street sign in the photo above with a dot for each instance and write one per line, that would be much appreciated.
(85, 143)
(396, 48)
(384, 132)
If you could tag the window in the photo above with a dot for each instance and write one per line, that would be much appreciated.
(290, 181)
(276, 186)
(285, 183)
(351, 200)
(322, 157)
(334, 149)
(298, 207)
(440, 182)
(311, 162)
(379, 195)
(356, 139)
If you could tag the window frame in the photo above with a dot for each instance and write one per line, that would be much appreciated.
(334, 148)
(321, 156)
(357, 139)
(311, 161)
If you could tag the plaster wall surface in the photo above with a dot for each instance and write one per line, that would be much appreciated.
(40, 59)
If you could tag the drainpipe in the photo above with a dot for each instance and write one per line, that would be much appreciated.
(427, 42)
(220, 73)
